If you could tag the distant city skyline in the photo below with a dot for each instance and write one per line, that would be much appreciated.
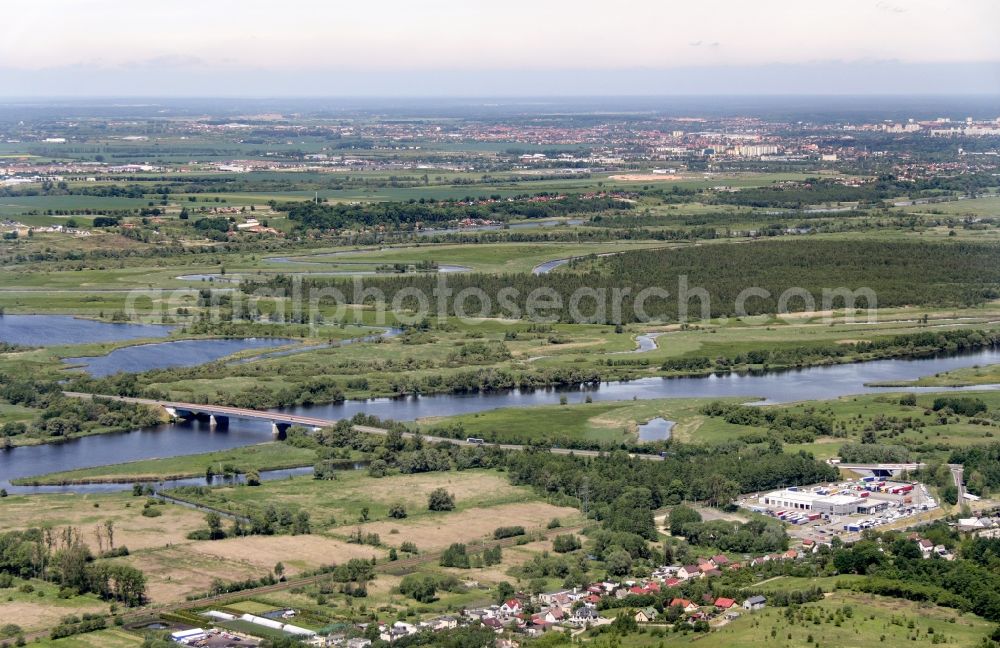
(517, 48)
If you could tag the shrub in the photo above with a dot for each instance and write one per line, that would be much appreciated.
(508, 532)
(440, 500)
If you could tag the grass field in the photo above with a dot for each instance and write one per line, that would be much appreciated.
(482, 257)
(13, 206)
(112, 638)
(871, 620)
(436, 531)
(978, 375)
(608, 422)
(988, 206)
(855, 413)
(874, 621)
(339, 503)
(86, 511)
(41, 608)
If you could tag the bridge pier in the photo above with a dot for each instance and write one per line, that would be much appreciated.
(279, 429)
(218, 421)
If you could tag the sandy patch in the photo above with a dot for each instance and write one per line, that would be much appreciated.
(175, 572)
(131, 528)
(297, 553)
(437, 531)
(41, 615)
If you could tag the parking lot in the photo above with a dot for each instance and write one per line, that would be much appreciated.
(843, 509)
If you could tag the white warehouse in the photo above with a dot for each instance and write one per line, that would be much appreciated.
(794, 500)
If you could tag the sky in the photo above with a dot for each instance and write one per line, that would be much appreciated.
(259, 48)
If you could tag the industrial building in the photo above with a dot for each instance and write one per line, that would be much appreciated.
(794, 500)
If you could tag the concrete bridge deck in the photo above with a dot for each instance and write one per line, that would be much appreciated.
(281, 421)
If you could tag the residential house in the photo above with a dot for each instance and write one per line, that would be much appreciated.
(724, 603)
(554, 615)
(684, 604)
(645, 615)
(539, 621)
(493, 624)
(479, 614)
(719, 561)
(511, 607)
(443, 623)
(550, 598)
(358, 642)
(711, 573)
(585, 615)
(755, 603)
(687, 572)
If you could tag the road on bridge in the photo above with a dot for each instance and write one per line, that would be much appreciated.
(314, 422)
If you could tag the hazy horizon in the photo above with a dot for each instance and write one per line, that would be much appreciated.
(447, 48)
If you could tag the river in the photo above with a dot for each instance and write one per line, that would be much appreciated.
(777, 387)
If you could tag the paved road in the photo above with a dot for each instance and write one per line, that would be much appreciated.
(956, 474)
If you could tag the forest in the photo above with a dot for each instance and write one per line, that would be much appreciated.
(954, 274)
(322, 216)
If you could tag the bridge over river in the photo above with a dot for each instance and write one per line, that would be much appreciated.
(280, 422)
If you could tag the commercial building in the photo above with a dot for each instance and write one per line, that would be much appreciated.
(794, 500)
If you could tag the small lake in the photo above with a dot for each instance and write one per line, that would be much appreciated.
(160, 355)
(644, 343)
(57, 330)
(549, 266)
(657, 429)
